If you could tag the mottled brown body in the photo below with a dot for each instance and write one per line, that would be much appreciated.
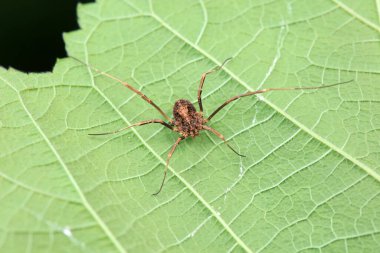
(187, 121)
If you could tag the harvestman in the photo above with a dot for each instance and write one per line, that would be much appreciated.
(187, 121)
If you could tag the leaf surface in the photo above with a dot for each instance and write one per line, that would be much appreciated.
(310, 181)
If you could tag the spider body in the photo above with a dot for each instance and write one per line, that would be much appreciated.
(188, 122)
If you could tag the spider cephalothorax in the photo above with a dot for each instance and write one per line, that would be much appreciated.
(187, 121)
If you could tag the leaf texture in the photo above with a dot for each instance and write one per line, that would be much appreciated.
(309, 183)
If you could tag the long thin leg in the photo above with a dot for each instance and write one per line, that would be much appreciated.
(129, 87)
(203, 78)
(167, 162)
(221, 137)
(271, 89)
(138, 124)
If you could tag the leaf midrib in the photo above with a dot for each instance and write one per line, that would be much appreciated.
(357, 16)
(246, 86)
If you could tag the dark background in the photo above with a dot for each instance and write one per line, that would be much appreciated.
(31, 32)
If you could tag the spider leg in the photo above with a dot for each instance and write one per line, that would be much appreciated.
(221, 137)
(142, 95)
(250, 93)
(138, 124)
(167, 162)
(203, 78)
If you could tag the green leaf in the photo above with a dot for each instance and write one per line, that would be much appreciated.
(309, 183)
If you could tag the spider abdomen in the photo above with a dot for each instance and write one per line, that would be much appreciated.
(187, 121)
